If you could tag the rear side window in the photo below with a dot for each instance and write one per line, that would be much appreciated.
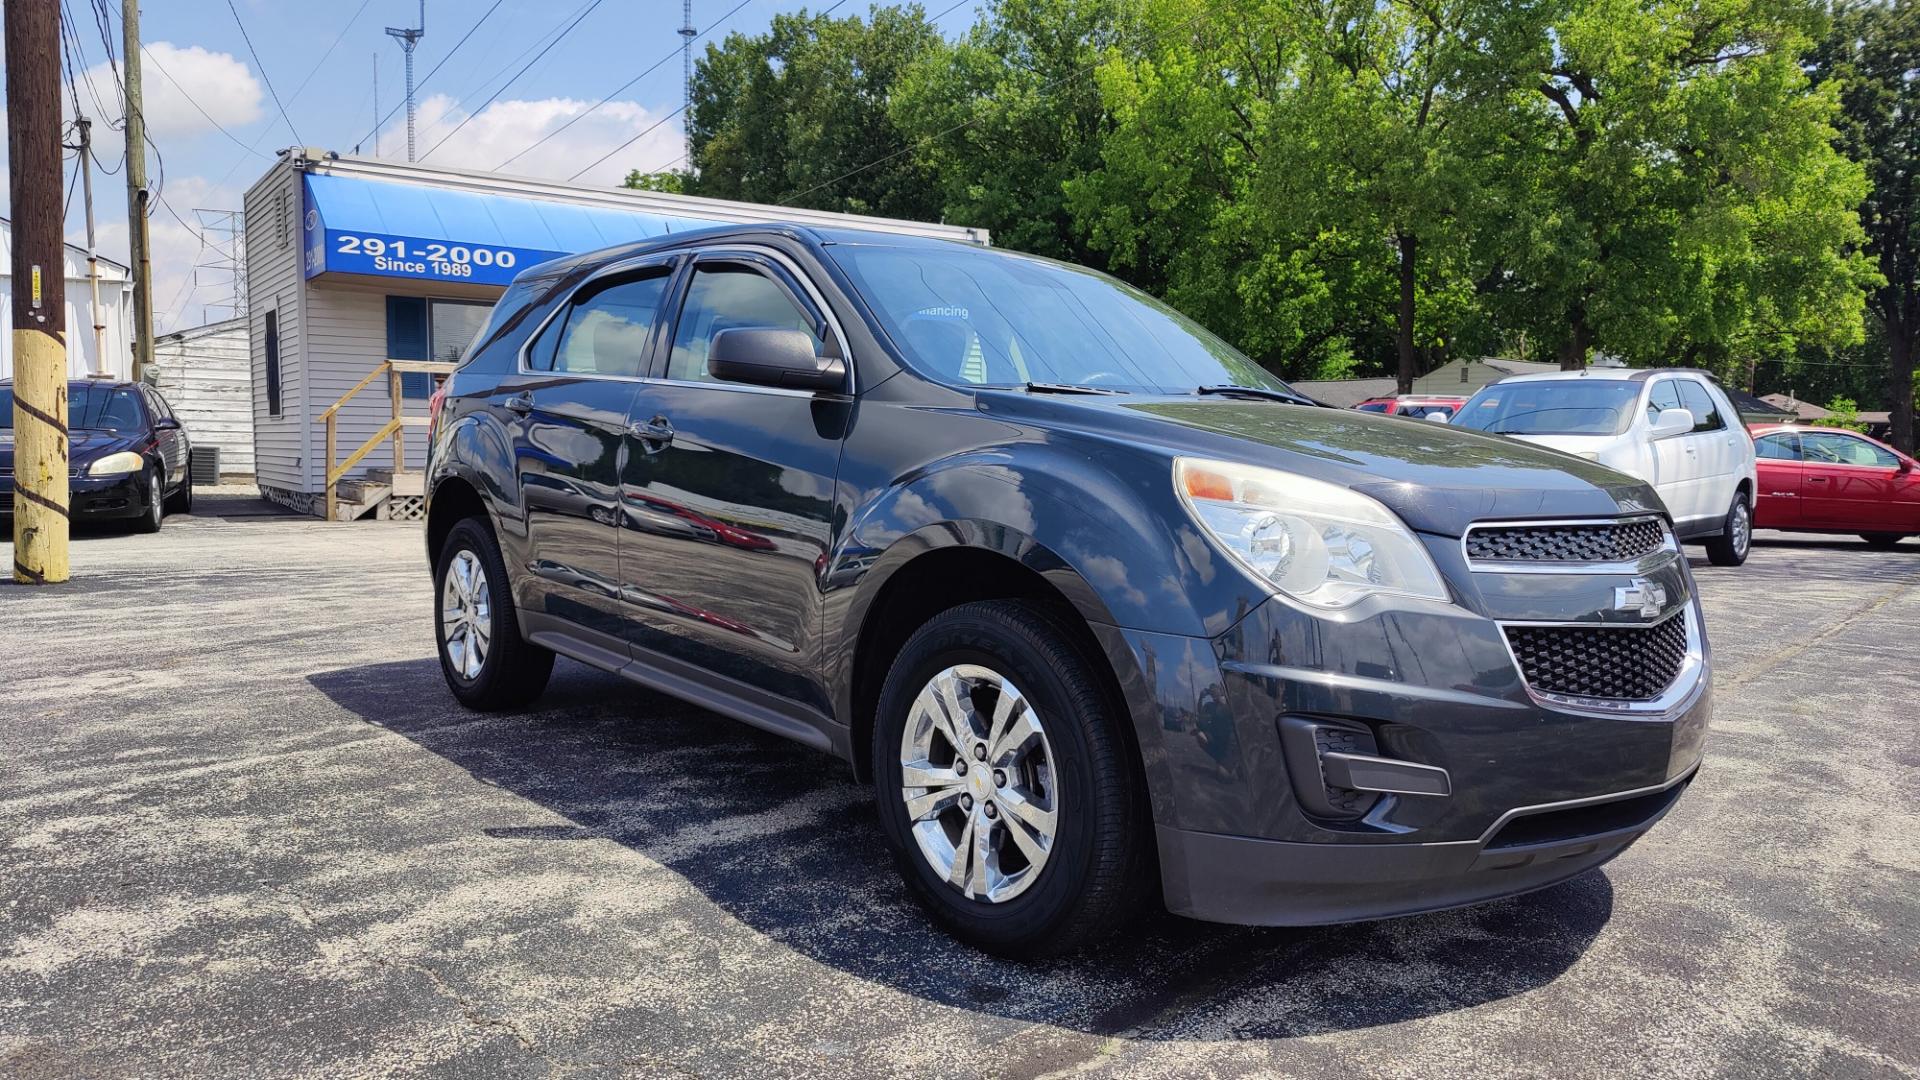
(604, 332)
(1695, 399)
(1777, 447)
(1374, 406)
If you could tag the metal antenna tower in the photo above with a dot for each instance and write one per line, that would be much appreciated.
(408, 38)
(224, 251)
(687, 33)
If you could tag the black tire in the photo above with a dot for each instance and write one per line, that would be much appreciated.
(1098, 872)
(155, 514)
(1882, 541)
(512, 671)
(181, 502)
(1730, 545)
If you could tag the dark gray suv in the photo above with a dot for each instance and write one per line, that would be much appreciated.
(1105, 613)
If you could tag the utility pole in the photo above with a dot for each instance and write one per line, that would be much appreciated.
(85, 127)
(687, 34)
(137, 194)
(40, 489)
(407, 38)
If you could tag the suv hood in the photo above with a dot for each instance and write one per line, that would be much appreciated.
(1438, 478)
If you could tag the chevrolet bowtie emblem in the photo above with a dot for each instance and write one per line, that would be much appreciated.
(1646, 597)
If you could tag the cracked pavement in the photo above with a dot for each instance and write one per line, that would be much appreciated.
(244, 831)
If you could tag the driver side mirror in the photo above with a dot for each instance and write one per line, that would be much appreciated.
(766, 356)
(166, 424)
(1671, 422)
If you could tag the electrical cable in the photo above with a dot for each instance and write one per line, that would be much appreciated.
(248, 38)
(590, 9)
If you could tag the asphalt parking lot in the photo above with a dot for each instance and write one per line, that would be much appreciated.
(245, 831)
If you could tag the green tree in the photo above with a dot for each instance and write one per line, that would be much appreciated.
(799, 115)
(1873, 54)
(1008, 116)
(1683, 201)
(672, 182)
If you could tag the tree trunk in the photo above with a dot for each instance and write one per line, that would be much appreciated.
(1573, 351)
(1404, 339)
(1900, 335)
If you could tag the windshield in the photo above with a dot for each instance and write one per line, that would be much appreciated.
(89, 408)
(993, 318)
(1552, 407)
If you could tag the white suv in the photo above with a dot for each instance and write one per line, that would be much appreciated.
(1671, 427)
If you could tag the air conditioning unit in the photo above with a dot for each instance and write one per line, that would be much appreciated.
(204, 465)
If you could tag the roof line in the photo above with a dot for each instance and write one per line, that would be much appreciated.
(76, 248)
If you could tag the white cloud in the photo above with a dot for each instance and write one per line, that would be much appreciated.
(174, 81)
(505, 128)
(181, 298)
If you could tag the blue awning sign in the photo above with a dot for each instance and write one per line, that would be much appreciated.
(356, 226)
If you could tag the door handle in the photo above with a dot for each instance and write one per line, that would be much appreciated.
(1816, 479)
(653, 434)
(521, 403)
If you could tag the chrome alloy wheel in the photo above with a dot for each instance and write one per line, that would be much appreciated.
(466, 614)
(977, 776)
(1742, 527)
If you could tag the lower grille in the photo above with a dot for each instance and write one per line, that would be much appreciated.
(1622, 663)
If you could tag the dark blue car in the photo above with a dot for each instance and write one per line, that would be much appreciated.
(127, 454)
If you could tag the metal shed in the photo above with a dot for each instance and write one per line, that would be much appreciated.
(206, 376)
(116, 303)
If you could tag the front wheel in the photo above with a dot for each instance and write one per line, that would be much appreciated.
(1729, 547)
(1882, 541)
(1007, 791)
(487, 664)
(156, 510)
(182, 501)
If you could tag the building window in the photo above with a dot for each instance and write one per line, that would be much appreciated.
(419, 328)
(273, 363)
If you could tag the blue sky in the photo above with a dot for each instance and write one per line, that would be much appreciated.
(216, 126)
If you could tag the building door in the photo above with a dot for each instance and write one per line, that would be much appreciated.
(567, 407)
(728, 491)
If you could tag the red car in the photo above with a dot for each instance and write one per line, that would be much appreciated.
(1417, 406)
(1832, 481)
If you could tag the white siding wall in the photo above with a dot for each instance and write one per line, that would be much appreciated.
(346, 337)
(206, 374)
(273, 208)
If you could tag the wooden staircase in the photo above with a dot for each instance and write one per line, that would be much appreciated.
(395, 494)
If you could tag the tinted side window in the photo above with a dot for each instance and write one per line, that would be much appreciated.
(1696, 400)
(1777, 447)
(1664, 395)
(1374, 406)
(724, 296)
(1830, 449)
(605, 332)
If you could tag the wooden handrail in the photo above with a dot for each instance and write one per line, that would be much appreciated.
(394, 428)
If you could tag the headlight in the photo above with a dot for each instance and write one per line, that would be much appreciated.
(1319, 543)
(120, 464)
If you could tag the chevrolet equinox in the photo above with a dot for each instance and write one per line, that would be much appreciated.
(1106, 615)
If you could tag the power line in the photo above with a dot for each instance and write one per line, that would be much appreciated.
(244, 36)
(178, 85)
(436, 68)
(950, 10)
(318, 64)
(630, 142)
(621, 89)
(516, 77)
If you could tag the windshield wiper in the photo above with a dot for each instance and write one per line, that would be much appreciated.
(1068, 388)
(1266, 393)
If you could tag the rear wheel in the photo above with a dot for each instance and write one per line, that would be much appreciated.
(1882, 540)
(487, 664)
(1006, 789)
(1729, 546)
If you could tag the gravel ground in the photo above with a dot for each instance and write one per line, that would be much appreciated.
(244, 831)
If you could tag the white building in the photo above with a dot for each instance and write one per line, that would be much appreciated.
(116, 302)
(375, 275)
(206, 374)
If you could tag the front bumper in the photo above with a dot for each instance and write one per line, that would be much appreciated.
(1535, 791)
(103, 498)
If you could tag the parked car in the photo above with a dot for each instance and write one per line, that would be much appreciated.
(1672, 427)
(127, 454)
(1415, 406)
(1101, 610)
(1829, 480)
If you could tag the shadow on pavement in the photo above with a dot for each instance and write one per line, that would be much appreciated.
(786, 842)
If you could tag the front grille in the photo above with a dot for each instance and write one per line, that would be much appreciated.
(1599, 542)
(1623, 663)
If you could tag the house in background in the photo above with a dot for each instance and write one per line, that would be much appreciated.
(116, 302)
(1459, 379)
(366, 280)
(207, 378)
